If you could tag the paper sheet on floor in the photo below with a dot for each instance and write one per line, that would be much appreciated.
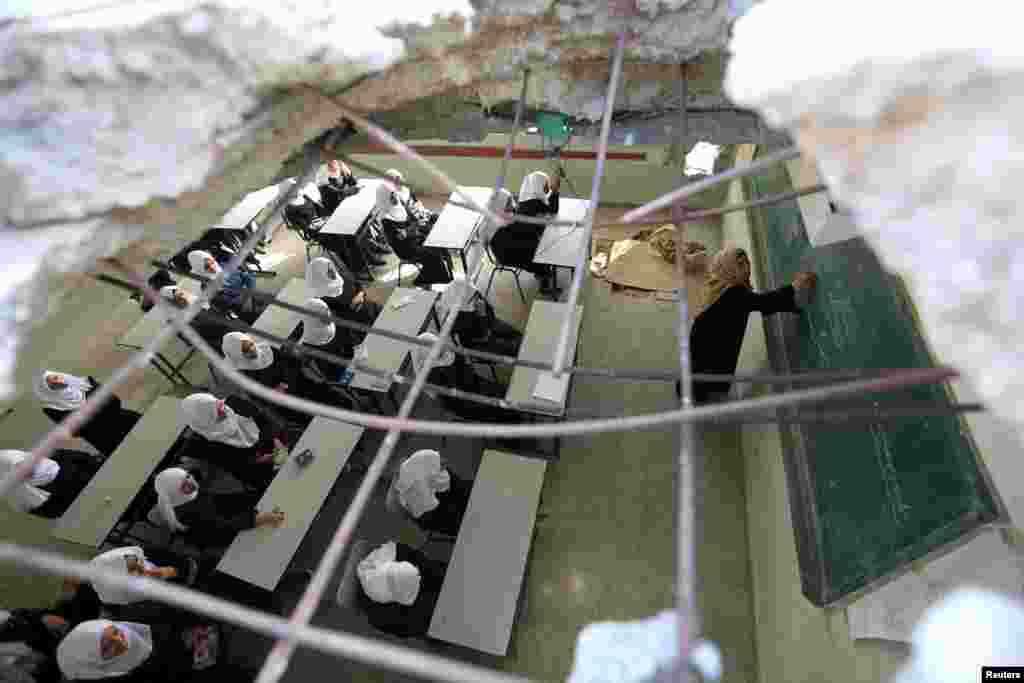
(890, 612)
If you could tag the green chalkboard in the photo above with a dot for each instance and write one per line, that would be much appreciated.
(870, 496)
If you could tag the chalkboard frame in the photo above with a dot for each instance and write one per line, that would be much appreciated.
(797, 463)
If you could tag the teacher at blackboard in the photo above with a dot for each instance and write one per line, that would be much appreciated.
(726, 300)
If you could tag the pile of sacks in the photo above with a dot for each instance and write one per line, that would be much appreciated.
(648, 260)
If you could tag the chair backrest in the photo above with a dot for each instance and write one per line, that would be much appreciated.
(403, 249)
(491, 255)
(349, 589)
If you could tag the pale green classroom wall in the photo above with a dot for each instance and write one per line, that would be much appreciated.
(796, 641)
(625, 182)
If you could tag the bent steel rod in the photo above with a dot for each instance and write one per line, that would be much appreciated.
(617, 374)
(688, 462)
(561, 355)
(694, 188)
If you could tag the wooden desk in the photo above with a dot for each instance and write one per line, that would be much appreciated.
(244, 212)
(107, 496)
(170, 359)
(539, 342)
(279, 321)
(560, 245)
(261, 556)
(456, 226)
(480, 594)
(388, 354)
(353, 211)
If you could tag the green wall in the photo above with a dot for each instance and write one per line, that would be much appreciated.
(625, 182)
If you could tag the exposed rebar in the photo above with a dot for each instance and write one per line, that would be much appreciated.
(561, 355)
(694, 188)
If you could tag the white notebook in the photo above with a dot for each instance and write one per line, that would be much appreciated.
(551, 388)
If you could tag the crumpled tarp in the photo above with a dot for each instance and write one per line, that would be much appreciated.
(647, 262)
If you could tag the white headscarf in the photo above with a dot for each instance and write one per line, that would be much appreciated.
(169, 495)
(310, 191)
(402, 190)
(453, 293)
(420, 479)
(323, 279)
(25, 497)
(197, 261)
(315, 331)
(385, 209)
(169, 291)
(78, 654)
(234, 430)
(420, 353)
(533, 187)
(117, 560)
(232, 347)
(70, 397)
(500, 202)
(385, 580)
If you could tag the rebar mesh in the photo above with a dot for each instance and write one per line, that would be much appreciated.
(296, 631)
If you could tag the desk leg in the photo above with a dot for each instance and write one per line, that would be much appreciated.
(177, 370)
(163, 371)
(434, 316)
(176, 376)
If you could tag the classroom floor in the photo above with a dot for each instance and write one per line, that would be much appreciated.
(604, 551)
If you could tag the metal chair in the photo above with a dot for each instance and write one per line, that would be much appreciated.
(308, 234)
(497, 267)
(405, 257)
(481, 343)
